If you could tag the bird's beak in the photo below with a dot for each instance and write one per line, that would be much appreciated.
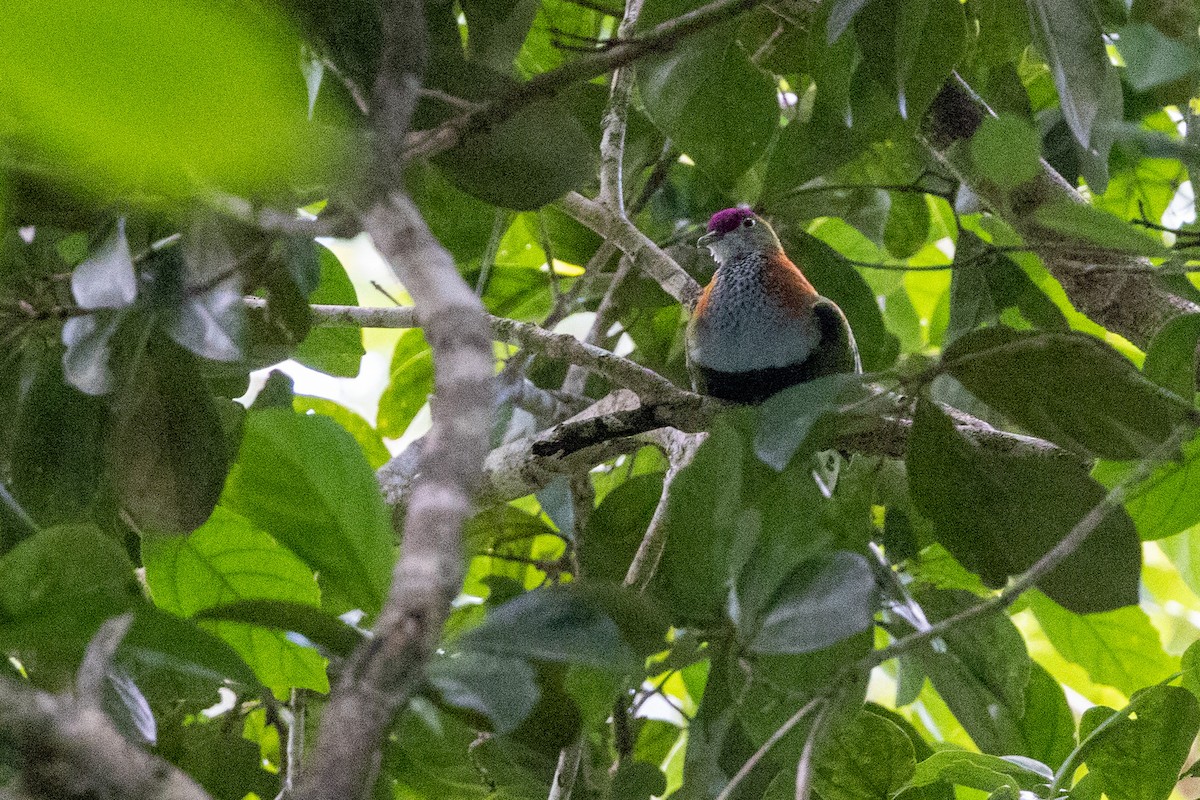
(708, 239)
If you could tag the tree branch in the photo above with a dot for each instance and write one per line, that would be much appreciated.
(1127, 301)
(662, 38)
(641, 250)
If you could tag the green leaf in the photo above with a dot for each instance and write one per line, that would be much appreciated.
(531, 158)
(1119, 648)
(306, 619)
(615, 528)
(1190, 666)
(1007, 151)
(304, 480)
(835, 278)
(1140, 758)
(409, 386)
(599, 625)
(869, 758)
(502, 689)
(367, 437)
(841, 14)
(930, 41)
(907, 224)
(981, 672)
(227, 561)
(1171, 359)
(638, 780)
(1068, 33)
(496, 29)
(160, 642)
(55, 453)
(1094, 226)
(57, 587)
(1070, 388)
(1048, 725)
(167, 451)
(1165, 503)
(700, 525)
(979, 771)
(1153, 58)
(209, 97)
(207, 315)
(826, 599)
(336, 350)
(709, 99)
(999, 513)
(803, 416)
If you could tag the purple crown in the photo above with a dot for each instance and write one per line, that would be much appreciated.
(727, 220)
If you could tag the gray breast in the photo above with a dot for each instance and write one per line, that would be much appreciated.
(745, 329)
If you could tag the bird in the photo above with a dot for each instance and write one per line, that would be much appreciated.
(759, 326)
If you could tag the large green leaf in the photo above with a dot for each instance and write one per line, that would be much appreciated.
(826, 599)
(1140, 758)
(208, 95)
(304, 618)
(930, 41)
(501, 688)
(802, 418)
(1069, 35)
(1152, 58)
(982, 672)
(305, 481)
(56, 588)
(978, 771)
(1171, 359)
(700, 526)
(998, 513)
(1094, 226)
(583, 623)
(1067, 387)
(1120, 648)
(167, 450)
(1007, 151)
(868, 758)
(55, 453)
(226, 561)
(709, 99)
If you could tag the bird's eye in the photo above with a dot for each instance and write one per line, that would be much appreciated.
(748, 222)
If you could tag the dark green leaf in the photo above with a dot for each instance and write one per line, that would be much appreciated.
(304, 480)
(1119, 648)
(802, 417)
(208, 315)
(870, 758)
(1048, 724)
(981, 672)
(907, 224)
(531, 158)
(335, 350)
(66, 581)
(835, 278)
(594, 624)
(1094, 226)
(216, 755)
(997, 514)
(700, 526)
(709, 99)
(637, 780)
(128, 708)
(1007, 151)
(1069, 35)
(615, 529)
(840, 16)
(1140, 758)
(160, 642)
(1190, 666)
(167, 450)
(306, 619)
(930, 41)
(500, 688)
(496, 29)
(1171, 359)
(1152, 58)
(1070, 388)
(410, 384)
(56, 457)
(85, 361)
(825, 600)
